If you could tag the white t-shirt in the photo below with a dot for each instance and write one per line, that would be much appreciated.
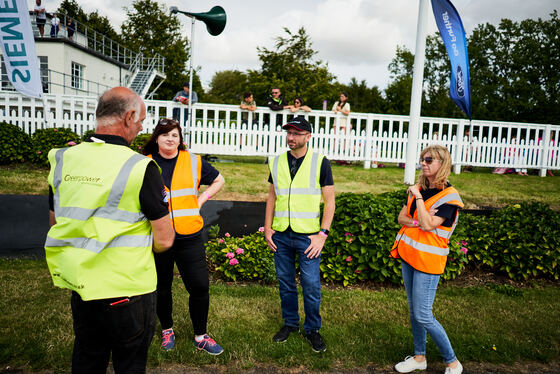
(39, 8)
(342, 117)
(55, 21)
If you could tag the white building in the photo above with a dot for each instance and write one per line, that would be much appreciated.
(88, 63)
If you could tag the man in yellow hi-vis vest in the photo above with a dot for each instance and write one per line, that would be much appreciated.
(293, 227)
(107, 217)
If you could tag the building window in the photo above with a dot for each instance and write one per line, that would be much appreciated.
(77, 75)
(44, 68)
(6, 84)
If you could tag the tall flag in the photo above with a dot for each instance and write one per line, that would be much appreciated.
(453, 35)
(18, 48)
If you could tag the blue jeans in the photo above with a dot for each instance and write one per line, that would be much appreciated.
(421, 290)
(289, 244)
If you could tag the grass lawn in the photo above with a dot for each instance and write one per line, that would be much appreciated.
(246, 180)
(492, 324)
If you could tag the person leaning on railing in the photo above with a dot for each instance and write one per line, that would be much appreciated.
(428, 218)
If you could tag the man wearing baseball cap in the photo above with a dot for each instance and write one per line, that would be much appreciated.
(298, 179)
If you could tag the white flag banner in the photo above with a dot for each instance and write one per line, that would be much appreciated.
(18, 48)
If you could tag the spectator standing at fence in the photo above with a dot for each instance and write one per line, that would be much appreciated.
(70, 28)
(183, 173)
(298, 179)
(249, 104)
(276, 102)
(428, 218)
(342, 106)
(183, 97)
(55, 26)
(40, 17)
(299, 106)
(107, 217)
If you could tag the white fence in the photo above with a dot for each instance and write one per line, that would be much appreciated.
(227, 130)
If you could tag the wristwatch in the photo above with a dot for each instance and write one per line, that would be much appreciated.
(324, 231)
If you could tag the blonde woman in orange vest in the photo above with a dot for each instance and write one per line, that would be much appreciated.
(183, 173)
(428, 220)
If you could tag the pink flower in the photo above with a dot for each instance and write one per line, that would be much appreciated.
(39, 152)
(457, 243)
(348, 259)
(227, 235)
(463, 242)
(357, 271)
(349, 240)
(55, 130)
(71, 143)
(233, 262)
(348, 234)
(261, 229)
(230, 255)
(239, 251)
(464, 250)
(221, 241)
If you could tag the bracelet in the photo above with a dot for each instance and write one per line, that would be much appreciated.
(324, 232)
(208, 197)
(419, 198)
(415, 222)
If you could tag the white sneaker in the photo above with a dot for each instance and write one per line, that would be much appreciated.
(456, 370)
(410, 364)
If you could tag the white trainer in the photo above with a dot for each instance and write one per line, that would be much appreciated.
(456, 370)
(410, 364)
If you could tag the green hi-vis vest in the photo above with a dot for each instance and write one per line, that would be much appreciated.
(101, 244)
(297, 201)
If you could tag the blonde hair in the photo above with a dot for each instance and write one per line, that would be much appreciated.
(441, 153)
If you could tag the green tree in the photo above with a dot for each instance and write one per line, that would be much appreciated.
(291, 67)
(397, 93)
(363, 98)
(227, 87)
(150, 29)
(72, 9)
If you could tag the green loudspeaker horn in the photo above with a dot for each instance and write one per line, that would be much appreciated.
(215, 19)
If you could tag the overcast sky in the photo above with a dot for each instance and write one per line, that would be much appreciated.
(358, 38)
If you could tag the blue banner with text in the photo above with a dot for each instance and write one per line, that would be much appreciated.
(453, 34)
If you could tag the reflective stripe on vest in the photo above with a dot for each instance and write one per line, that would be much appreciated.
(427, 251)
(93, 245)
(298, 200)
(183, 201)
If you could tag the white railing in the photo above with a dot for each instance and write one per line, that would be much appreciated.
(227, 130)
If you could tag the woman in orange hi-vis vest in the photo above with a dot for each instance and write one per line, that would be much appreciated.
(183, 173)
(428, 220)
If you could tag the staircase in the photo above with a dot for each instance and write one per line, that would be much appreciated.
(144, 72)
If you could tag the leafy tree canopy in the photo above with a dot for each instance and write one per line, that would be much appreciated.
(151, 30)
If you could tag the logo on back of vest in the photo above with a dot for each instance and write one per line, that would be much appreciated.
(82, 179)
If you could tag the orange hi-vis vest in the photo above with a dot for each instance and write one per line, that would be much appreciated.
(427, 251)
(183, 196)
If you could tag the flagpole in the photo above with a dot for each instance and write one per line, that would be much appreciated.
(416, 94)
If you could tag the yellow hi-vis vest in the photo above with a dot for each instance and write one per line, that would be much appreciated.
(101, 244)
(427, 250)
(183, 196)
(297, 201)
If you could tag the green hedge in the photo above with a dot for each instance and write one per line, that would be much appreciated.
(520, 241)
(46, 139)
(16, 144)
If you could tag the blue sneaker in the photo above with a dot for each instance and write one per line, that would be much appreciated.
(209, 345)
(167, 340)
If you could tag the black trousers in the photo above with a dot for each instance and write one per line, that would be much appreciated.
(190, 257)
(125, 329)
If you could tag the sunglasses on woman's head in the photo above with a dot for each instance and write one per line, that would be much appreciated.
(167, 121)
(428, 159)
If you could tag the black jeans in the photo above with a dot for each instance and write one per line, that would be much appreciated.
(190, 256)
(125, 329)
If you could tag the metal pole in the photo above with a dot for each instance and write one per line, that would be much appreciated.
(190, 80)
(416, 95)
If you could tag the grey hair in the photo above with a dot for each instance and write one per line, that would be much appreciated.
(113, 106)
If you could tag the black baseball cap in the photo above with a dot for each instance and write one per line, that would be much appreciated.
(298, 123)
